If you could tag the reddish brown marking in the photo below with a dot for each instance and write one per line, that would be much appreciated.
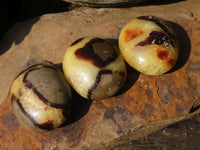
(29, 85)
(47, 125)
(162, 54)
(158, 38)
(13, 97)
(88, 53)
(171, 62)
(98, 79)
(132, 33)
(158, 22)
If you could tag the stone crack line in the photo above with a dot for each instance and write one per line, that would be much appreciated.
(156, 85)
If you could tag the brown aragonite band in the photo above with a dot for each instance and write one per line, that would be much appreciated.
(97, 81)
(29, 85)
(45, 126)
(98, 51)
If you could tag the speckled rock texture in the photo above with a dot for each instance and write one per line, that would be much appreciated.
(146, 103)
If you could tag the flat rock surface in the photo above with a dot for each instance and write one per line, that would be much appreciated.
(145, 104)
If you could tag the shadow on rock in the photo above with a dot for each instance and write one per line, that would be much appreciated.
(132, 77)
(13, 13)
(16, 34)
(80, 107)
(184, 46)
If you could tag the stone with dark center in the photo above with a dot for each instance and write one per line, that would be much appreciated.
(94, 68)
(40, 97)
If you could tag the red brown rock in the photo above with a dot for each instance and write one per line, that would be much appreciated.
(147, 103)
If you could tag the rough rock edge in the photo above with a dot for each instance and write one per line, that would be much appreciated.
(142, 132)
(106, 3)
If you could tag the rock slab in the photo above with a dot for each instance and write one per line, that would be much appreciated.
(146, 103)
